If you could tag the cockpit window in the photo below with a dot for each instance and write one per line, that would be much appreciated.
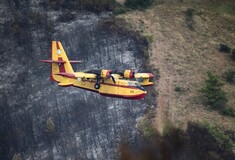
(131, 84)
(136, 85)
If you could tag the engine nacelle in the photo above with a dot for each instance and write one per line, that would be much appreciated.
(105, 73)
(129, 74)
(126, 73)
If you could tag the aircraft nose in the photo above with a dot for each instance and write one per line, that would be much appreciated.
(141, 94)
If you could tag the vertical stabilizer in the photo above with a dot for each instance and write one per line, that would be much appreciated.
(62, 64)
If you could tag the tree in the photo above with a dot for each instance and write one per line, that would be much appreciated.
(50, 127)
(212, 91)
(17, 157)
(138, 4)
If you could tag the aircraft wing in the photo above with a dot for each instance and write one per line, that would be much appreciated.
(144, 75)
(144, 78)
(85, 75)
(117, 76)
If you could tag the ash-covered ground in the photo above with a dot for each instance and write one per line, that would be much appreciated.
(42, 121)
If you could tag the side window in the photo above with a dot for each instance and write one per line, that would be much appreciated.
(137, 84)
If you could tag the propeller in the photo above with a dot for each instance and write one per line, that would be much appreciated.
(100, 75)
(110, 76)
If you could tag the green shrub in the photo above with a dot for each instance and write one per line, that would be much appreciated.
(138, 4)
(173, 135)
(212, 91)
(119, 9)
(149, 38)
(233, 54)
(189, 13)
(98, 5)
(228, 111)
(146, 128)
(226, 8)
(166, 129)
(179, 89)
(229, 76)
(219, 135)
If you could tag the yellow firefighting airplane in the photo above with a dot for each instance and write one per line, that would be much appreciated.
(105, 82)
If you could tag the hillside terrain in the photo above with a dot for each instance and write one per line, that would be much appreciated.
(177, 40)
(184, 42)
(42, 121)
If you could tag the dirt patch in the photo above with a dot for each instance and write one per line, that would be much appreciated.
(121, 1)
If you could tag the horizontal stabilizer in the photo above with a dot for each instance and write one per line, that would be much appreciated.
(70, 75)
(59, 61)
(65, 84)
(75, 61)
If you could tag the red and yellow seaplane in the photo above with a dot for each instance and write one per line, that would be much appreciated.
(119, 83)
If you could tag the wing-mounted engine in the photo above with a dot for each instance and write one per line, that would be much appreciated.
(105, 73)
(126, 73)
(101, 74)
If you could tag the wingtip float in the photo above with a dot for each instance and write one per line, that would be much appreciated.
(118, 83)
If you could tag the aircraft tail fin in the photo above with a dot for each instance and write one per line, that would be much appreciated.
(59, 62)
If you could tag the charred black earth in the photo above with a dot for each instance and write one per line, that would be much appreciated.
(42, 121)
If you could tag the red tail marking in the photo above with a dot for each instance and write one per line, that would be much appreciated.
(61, 66)
(57, 45)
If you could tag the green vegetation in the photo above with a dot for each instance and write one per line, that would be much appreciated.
(226, 8)
(166, 129)
(212, 91)
(175, 136)
(91, 5)
(146, 128)
(222, 139)
(214, 95)
(149, 38)
(120, 9)
(17, 157)
(233, 54)
(229, 76)
(223, 7)
(179, 89)
(139, 4)
(98, 5)
(189, 13)
(228, 111)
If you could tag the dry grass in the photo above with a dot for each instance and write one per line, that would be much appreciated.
(184, 56)
(121, 1)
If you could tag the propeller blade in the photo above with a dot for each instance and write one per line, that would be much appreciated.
(113, 79)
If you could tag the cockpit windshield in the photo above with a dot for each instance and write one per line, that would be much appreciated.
(136, 85)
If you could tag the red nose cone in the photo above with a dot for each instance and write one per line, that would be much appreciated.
(140, 96)
(108, 73)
